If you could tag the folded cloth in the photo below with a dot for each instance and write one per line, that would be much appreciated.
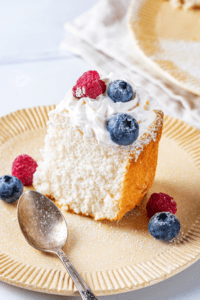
(101, 37)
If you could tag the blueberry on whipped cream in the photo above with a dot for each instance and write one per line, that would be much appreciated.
(120, 91)
(123, 129)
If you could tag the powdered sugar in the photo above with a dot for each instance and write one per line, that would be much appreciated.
(183, 54)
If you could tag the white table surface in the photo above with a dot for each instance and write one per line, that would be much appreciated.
(33, 71)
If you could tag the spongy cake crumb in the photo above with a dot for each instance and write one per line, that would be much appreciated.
(81, 174)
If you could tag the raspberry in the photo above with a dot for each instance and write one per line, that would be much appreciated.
(103, 85)
(89, 85)
(159, 202)
(23, 167)
(88, 76)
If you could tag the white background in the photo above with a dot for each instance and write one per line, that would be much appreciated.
(33, 71)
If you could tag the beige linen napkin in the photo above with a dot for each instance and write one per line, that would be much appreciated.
(101, 37)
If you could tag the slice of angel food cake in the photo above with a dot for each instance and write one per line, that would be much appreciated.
(101, 147)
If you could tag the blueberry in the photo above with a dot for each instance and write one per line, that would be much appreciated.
(120, 91)
(164, 226)
(123, 129)
(11, 188)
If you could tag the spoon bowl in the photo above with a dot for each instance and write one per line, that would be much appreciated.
(41, 222)
(44, 227)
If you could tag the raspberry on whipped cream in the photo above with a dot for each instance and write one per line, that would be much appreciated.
(91, 116)
(89, 85)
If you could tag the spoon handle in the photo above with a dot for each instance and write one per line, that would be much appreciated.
(82, 287)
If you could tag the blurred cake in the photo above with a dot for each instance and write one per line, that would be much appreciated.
(187, 4)
(101, 147)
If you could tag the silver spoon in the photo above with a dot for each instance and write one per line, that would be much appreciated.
(44, 227)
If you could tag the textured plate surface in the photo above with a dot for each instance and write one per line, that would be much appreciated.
(169, 39)
(112, 257)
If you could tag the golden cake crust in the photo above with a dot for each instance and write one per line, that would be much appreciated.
(140, 171)
(140, 174)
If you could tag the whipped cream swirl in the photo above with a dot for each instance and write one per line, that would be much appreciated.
(91, 115)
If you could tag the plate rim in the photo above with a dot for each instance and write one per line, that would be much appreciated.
(151, 62)
(119, 280)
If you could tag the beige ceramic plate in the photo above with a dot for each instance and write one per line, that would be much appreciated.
(112, 257)
(169, 39)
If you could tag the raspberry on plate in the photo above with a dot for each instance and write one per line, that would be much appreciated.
(89, 85)
(23, 167)
(164, 226)
(159, 202)
(11, 188)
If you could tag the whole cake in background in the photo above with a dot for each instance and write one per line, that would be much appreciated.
(187, 4)
(101, 147)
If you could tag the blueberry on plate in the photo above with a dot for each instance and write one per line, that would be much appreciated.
(164, 226)
(120, 91)
(11, 188)
(123, 129)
